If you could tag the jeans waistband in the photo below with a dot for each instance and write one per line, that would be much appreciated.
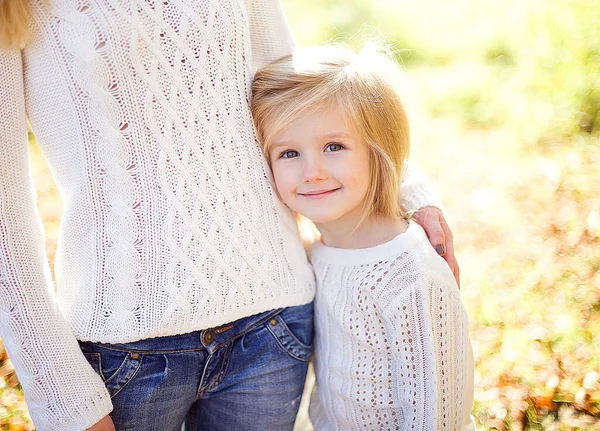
(196, 340)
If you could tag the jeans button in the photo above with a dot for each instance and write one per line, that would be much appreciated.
(207, 337)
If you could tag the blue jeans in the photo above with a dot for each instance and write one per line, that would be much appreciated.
(246, 375)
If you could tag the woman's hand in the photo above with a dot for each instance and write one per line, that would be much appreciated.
(105, 424)
(433, 222)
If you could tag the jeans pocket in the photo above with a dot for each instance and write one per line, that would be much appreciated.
(116, 367)
(94, 361)
(293, 330)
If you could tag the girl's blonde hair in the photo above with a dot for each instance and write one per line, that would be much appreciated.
(14, 23)
(365, 86)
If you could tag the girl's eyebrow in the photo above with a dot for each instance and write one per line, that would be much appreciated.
(276, 145)
(331, 135)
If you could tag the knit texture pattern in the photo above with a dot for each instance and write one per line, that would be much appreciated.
(392, 343)
(170, 223)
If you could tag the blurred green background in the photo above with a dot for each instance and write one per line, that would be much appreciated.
(506, 121)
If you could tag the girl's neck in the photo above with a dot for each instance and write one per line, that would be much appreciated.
(371, 232)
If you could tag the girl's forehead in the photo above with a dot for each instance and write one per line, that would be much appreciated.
(329, 120)
(324, 114)
(319, 119)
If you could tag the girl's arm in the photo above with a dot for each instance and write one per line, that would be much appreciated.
(61, 389)
(431, 351)
(270, 34)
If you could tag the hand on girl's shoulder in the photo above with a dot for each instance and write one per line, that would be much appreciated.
(414, 270)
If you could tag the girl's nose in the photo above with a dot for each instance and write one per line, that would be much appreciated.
(313, 171)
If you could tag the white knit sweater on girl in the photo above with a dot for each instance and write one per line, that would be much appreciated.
(392, 347)
(170, 223)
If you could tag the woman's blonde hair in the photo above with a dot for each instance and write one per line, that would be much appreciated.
(14, 23)
(364, 86)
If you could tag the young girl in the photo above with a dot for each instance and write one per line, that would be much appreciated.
(392, 342)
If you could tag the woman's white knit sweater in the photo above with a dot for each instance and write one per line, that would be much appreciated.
(392, 341)
(170, 223)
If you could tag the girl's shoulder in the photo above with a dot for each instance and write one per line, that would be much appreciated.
(413, 269)
(406, 263)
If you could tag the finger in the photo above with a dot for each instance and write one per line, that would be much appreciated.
(448, 241)
(456, 272)
(450, 256)
(429, 219)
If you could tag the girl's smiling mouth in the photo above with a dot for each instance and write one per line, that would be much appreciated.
(318, 194)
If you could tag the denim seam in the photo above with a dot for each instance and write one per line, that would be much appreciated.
(293, 355)
(191, 418)
(224, 366)
(123, 363)
(222, 371)
(262, 321)
(99, 365)
(201, 389)
(143, 351)
(102, 376)
(289, 331)
(130, 378)
(230, 341)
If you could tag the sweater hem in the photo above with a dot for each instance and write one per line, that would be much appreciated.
(266, 305)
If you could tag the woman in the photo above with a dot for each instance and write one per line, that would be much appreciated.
(178, 270)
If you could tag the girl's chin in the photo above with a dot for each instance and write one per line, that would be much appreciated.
(325, 220)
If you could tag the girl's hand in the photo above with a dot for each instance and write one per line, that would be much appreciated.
(105, 424)
(433, 222)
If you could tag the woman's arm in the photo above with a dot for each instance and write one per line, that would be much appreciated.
(420, 200)
(431, 350)
(61, 389)
(416, 191)
(270, 34)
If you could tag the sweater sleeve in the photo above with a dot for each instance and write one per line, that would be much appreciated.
(417, 191)
(270, 34)
(432, 356)
(61, 390)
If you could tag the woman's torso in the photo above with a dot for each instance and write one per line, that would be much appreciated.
(170, 223)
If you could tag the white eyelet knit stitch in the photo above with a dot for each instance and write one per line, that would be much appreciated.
(170, 223)
(392, 348)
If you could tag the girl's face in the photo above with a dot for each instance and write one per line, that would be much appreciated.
(321, 167)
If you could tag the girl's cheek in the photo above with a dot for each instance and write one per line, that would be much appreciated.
(280, 183)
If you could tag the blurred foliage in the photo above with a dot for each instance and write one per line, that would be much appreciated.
(13, 411)
(507, 124)
(533, 64)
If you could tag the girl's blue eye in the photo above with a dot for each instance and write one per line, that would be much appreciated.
(334, 147)
(290, 154)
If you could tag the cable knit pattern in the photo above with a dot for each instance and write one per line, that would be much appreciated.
(392, 343)
(170, 223)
